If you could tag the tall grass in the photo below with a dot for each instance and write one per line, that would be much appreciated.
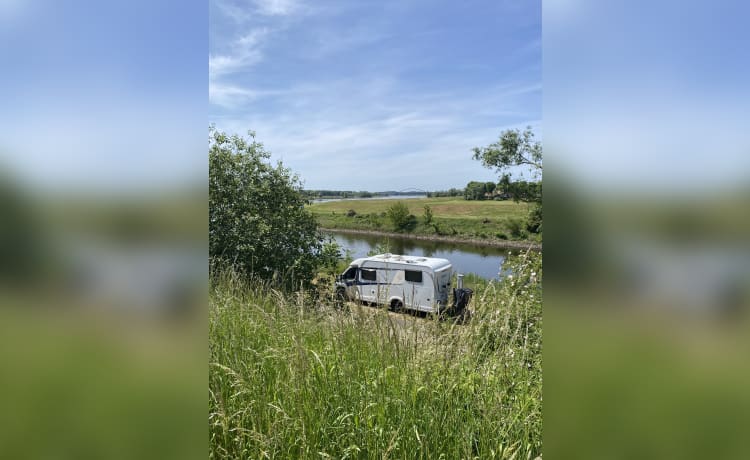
(291, 376)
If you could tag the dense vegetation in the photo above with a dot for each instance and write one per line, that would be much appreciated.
(258, 223)
(293, 377)
(506, 189)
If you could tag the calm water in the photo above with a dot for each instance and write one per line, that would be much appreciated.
(466, 258)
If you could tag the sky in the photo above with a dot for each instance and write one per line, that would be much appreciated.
(646, 96)
(104, 95)
(376, 95)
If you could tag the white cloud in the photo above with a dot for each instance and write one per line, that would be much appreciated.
(242, 11)
(277, 7)
(233, 96)
(422, 141)
(229, 96)
(243, 53)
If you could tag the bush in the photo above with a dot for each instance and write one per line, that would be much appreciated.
(515, 228)
(351, 213)
(257, 221)
(399, 215)
(534, 223)
(427, 216)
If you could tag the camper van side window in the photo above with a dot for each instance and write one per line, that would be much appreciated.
(413, 276)
(368, 275)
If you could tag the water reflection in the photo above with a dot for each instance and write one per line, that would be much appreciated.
(466, 258)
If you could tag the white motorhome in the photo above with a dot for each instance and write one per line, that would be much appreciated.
(418, 283)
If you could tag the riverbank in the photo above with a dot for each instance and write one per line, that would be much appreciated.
(441, 238)
(487, 223)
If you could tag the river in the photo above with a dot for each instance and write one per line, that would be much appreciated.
(466, 258)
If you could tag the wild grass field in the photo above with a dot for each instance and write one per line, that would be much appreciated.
(293, 376)
(489, 220)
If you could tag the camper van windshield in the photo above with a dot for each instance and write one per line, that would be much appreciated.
(350, 274)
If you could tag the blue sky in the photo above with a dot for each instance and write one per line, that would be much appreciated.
(647, 96)
(109, 95)
(376, 95)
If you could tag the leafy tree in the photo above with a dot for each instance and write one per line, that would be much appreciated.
(514, 148)
(399, 215)
(474, 191)
(517, 148)
(258, 223)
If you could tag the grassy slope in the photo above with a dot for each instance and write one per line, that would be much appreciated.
(456, 217)
(294, 378)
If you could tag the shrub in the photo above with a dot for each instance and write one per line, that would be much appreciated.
(534, 222)
(427, 216)
(257, 221)
(399, 215)
(351, 213)
(515, 228)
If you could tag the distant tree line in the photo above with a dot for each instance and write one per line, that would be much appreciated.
(449, 192)
(331, 194)
(506, 189)
(479, 190)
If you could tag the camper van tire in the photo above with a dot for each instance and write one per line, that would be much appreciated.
(397, 305)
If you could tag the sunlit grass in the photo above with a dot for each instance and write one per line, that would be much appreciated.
(291, 376)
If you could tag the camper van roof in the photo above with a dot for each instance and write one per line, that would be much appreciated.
(432, 262)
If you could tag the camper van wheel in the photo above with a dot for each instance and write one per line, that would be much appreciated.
(397, 305)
